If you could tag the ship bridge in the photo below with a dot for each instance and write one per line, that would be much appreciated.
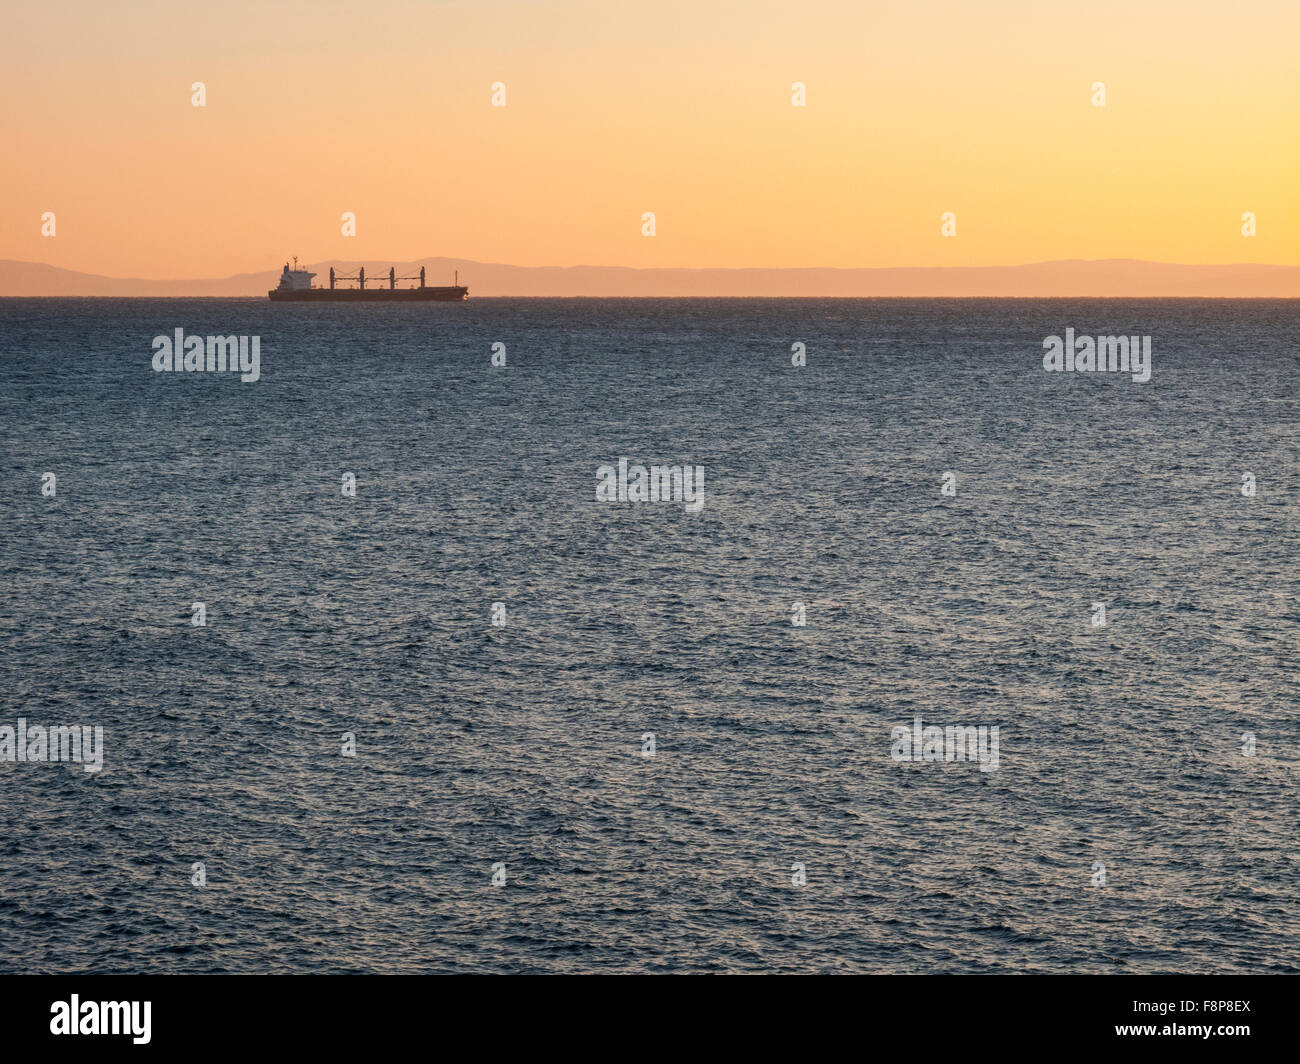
(295, 280)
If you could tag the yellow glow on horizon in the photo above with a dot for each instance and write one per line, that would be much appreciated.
(681, 108)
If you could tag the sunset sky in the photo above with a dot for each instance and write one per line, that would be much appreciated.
(681, 107)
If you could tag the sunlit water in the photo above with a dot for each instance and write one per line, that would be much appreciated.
(521, 744)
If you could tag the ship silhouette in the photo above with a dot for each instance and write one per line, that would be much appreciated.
(295, 286)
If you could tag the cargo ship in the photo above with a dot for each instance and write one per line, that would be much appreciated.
(295, 286)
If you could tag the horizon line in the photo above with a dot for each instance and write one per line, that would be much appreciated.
(664, 269)
(1053, 278)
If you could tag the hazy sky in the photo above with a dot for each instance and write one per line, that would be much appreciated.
(680, 107)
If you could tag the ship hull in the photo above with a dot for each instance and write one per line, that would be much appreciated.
(434, 294)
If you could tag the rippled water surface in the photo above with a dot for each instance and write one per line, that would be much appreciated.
(521, 744)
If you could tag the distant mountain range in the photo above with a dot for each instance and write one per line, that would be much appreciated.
(1067, 277)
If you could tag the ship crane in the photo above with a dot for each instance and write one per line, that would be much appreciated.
(360, 277)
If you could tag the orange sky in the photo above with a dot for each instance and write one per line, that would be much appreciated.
(681, 107)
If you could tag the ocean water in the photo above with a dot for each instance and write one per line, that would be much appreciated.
(520, 745)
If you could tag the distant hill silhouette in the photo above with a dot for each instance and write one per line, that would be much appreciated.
(1068, 277)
